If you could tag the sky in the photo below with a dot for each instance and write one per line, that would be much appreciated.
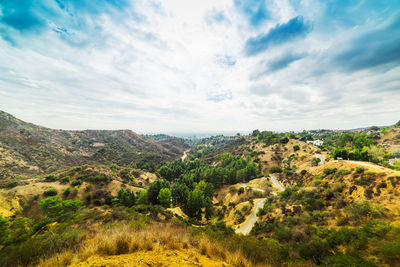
(190, 66)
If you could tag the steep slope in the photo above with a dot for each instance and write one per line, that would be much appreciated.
(26, 148)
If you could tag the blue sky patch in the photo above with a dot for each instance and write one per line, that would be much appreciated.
(282, 33)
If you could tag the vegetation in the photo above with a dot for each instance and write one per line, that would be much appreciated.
(325, 216)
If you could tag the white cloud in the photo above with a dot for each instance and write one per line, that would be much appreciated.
(174, 71)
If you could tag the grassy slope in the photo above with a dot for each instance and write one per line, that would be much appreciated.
(29, 149)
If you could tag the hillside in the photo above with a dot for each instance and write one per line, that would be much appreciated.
(267, 199)
(26, 148)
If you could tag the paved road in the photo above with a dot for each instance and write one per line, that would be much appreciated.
(245, 229)
(248, 225)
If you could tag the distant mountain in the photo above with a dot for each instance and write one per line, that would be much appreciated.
(26, 148)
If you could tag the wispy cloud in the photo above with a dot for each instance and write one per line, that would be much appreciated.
(200, 65)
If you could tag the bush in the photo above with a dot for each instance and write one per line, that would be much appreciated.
(114, 167)
(51, 178)
(54, 206)
(76, 182)
(4, 229)
(241, 190)
(315, 249)
(341, 259)
(50, 192)
(358, 210)
(65, 179)
(12, 184)
(359, 170)
(328, 171)
(390, 252)
(315, 161)
(296, 148)
(67, 191)
(275, 169)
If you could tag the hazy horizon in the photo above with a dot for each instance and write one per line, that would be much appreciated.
(201, 66)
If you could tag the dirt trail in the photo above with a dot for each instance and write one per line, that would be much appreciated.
(185, 154)
(246, 227)
(368, 164)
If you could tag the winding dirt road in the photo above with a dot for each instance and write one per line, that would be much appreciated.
(246, 227)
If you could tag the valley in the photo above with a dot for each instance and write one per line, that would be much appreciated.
(114, 198)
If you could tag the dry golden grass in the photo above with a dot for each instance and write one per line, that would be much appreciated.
(156, 237)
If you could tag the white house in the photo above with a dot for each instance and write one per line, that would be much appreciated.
(316, 142)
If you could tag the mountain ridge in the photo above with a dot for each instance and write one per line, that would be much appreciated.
(26, 147)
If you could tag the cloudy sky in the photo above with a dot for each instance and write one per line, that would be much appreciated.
(197, 66)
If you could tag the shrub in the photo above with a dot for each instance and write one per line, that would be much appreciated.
(358, 210)
(241, 190)
(303, 172)
(359, 170)
(315, 161)
(328, 171)
(76, 182)
(275, 169)
(315, 249)
(12, 184)
(50, 192)
(65, 179)
(88, 198)
(390, 252)
(54, 206)
(67, 191)
(4, 229)
(114, 167)
(51, 178)
(296, 148)
(341, 259)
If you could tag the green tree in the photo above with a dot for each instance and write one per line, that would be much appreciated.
(164, 197)
(180, 193)
(4, 230)
(52, 206)
(126, 197)
(155, 188)
(143, 197)
(255, 133)
(195, 204)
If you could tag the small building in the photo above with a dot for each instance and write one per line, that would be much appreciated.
(316, 142)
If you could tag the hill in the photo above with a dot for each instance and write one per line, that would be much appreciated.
(266, 199)
(26, 148)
